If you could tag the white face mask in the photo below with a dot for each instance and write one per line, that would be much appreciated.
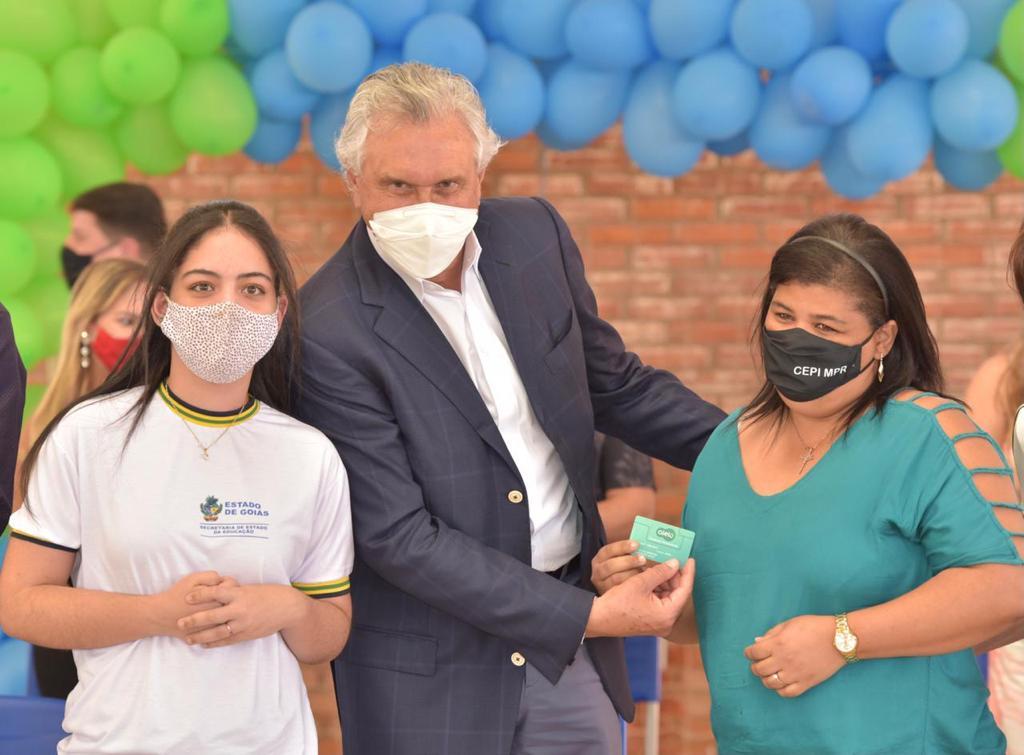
(219, 342)
(421, 240)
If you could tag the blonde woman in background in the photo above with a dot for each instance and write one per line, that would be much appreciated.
(995, 393)
(106, 303)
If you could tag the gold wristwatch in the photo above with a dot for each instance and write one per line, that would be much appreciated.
(845, 641)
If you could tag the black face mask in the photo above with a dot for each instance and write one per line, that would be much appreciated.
(73, 264)
(804, 367)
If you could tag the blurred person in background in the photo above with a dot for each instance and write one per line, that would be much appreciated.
(995, 394)
(115, 221)
(105, 307)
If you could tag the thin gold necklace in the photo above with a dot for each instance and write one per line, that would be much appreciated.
(809, 450)
(205, 450)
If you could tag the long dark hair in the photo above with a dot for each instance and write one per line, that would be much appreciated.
(914, 358)
(274, 376)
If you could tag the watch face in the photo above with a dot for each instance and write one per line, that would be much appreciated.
(845, 643)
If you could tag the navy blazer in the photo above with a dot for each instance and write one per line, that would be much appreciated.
(443, 592)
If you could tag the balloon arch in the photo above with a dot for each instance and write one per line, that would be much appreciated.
(866, 88)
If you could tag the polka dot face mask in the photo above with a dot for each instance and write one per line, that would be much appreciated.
(219, 342)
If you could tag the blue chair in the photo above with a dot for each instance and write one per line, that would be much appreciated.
(645, 658)
(30, 725)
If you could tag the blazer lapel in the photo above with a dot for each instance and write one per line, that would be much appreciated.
(411, 331)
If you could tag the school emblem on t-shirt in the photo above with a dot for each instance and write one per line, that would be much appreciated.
(234, 518)
(211, 508)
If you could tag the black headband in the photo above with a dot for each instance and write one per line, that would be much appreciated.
(853, 255)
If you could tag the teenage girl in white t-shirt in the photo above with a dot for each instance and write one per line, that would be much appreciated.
(207, 534)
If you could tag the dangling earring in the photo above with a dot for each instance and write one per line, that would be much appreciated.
(84, 350)
(881, 369)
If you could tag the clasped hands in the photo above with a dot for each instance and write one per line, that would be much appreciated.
(790, 658)
(211, 611)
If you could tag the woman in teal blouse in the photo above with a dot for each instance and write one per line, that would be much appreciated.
(856, 533)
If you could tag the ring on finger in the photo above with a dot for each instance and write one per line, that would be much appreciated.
(777, 678)
(232, 631)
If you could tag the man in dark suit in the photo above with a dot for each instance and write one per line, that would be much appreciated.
(453, 352)
(12, 403)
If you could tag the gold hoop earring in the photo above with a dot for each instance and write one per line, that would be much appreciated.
(84, 350)
(881, 369)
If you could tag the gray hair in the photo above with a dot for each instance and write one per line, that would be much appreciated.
(416, 92)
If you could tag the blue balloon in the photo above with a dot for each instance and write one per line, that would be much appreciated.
(892, 135)
(512, 91)
(608, 34)
(329, 47)
(582, 102)
(965, 169)
(652, 138)
(554, 141)
(390, 21)
(278, 93)
(861, 25)
(825, 27)
(682, 29)
(488, 17)
(384, 57)
(831, 85)
(772, 34)
(927, 38)
(536, 27)
(985, 18)
(327, 119)
(730, 147)
(273, 141)
(779, 136)
(716, 95)
(257, 28)
(448, 40)
(974, 107)
(465, 7)
(841, 174)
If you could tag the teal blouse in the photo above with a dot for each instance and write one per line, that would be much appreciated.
(888, 506)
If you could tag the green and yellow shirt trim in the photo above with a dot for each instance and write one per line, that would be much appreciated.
(205, 418)
(331, 589)
(40, 541)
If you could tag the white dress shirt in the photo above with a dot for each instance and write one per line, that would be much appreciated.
(468, 321)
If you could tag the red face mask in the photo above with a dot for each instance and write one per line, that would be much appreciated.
(109, 349)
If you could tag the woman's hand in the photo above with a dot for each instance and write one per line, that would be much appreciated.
(171, 605)
(614, 564)
(796, 655)
(242, 612)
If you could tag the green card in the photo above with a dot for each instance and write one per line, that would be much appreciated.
(661, 542)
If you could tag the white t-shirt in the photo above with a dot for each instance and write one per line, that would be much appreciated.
(269, 506)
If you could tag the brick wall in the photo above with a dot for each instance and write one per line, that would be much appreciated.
(675, 264)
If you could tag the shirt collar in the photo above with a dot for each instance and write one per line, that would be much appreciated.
(421, 286)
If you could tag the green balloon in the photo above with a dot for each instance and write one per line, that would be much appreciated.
(17, 258)
(140, 66)
(1011, 42)
(31, 181)
(33, 395)
(29, 335)
(1011, 152)
(212, 109)
(94, 24)
(40, 28)
(196, 27)
(79, 94)
(129, 13)
(24, 93)
(48, 298)
(48, 232)
(148, 141)
(87, 157)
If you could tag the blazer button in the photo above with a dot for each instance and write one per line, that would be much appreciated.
(515, 496)
(518, 659)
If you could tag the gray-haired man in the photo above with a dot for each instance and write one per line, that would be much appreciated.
(453, 353)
